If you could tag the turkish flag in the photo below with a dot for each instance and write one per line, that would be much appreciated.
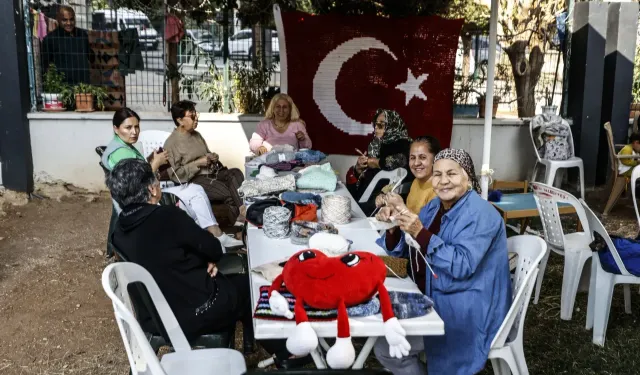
(340, 69)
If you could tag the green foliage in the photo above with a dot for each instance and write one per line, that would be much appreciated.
(53, 81)
(213, 90)
(99, 93)
(247, 87)
(476, 16)
(635, 89)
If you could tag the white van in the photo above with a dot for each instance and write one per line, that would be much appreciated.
(122, 19)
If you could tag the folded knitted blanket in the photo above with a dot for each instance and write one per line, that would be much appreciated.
(310, 156)
(254, 188)
(318, 177)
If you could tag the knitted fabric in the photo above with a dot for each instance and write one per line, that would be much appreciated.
(301, 198)
(332, 244)
(318, 177)
(278, 157)
(254, 188)
(263, 311)
(310, 156)
(301, 231)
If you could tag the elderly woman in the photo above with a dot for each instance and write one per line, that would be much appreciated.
(179, 255)
(126, 129)
(193, 162)
(421, 155)
(463, 239)
(388, 150)
(281, 126)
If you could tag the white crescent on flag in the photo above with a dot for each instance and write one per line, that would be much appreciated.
(324, 83)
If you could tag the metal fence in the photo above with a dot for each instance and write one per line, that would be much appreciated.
(471, 76)
(125, 55)
(128, 53)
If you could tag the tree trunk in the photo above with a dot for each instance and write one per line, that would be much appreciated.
(172, 52)
(526, 74)
(466, 55)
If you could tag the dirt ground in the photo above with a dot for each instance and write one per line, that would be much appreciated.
(55, 316)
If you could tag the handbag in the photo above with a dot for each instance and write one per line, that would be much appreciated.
(233, 264)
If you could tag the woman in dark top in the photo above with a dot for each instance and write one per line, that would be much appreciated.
(179, 254)
(388, 150)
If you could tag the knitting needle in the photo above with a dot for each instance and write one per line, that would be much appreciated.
(360, 152)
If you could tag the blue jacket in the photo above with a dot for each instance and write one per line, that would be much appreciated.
(472, 293)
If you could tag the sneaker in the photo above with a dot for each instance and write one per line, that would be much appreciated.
(228, 241)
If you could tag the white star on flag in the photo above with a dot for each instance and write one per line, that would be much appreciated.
(411, 87)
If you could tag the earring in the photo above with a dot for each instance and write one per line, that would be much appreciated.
(470, 186)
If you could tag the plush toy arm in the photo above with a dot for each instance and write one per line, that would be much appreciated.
(385, 303)
(277, 303)
(394, 333)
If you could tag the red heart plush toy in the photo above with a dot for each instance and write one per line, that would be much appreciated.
(326, 282)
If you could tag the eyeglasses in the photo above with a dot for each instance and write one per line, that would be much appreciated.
(380, 124)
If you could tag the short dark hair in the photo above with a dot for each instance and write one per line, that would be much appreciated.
(129, 182)
(180, 109)
(122, 114)
(433, 144)
(634, 137)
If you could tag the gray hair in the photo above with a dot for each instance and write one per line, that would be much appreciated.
(129, 182)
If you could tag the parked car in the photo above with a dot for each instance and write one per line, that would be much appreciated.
(241, 44)
(122, 19)
(203, 40)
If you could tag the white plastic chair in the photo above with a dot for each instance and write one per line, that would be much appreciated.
(552, 166)
(602, 283)
(115, 279)
(393, 176)
(507, 351)
(573, 246)
(635, 175)
(152, 140)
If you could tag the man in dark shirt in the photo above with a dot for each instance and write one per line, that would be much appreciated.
(68, 48)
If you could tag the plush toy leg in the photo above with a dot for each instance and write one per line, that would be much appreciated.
(304, 339)
(342, 354)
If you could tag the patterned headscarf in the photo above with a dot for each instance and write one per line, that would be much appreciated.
(395, 130)
(464, 160)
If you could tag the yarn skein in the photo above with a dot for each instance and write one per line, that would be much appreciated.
(336, 209)
(276, 222)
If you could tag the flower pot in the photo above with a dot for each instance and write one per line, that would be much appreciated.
(634, 110)
(52, 102)
(481, 100)
(549, 109)
(465, 110)
(84, 103)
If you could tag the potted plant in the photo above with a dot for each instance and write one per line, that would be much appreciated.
(267, 95)
(481, 102)
(85, 94)
(54, 86)
(461, 108)
(635, 88)
(548, 98)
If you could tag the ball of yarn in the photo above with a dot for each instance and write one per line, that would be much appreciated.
(276, 222)
(336, 209)
(495, 196)
(329, 243)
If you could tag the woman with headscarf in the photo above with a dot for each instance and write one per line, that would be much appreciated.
(463, 239)
(388, 150)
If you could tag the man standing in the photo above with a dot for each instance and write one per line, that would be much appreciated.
(68, 48)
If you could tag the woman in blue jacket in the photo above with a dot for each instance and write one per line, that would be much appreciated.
(463, 239)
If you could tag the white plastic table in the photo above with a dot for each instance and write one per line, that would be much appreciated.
(262, 250)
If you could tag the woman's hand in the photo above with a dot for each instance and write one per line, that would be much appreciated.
(409, 222)
(385, 214)
(203, 161)
(395, 200)
(213, 157)
(373, 163)
(159, 159)
(361, 164)
(300, 136)
(212, 270)
(261, 150)
(381, 200)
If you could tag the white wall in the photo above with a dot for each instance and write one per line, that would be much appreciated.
(63, 144)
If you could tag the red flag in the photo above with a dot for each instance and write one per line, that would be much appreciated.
(340, 69)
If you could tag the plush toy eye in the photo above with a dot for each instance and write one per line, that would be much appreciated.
(306, 256)
(350, 260)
